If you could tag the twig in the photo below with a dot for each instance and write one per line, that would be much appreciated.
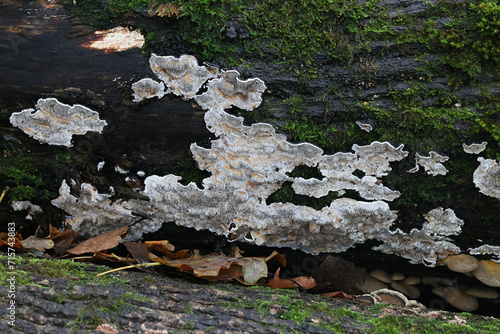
(131, 266)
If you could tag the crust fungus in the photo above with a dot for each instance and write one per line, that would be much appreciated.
(182, 75)
(55, 123)
(32, 209)
(487, 177)
(147, 89)
(92, 213)
(364, 126)
(487, 249)
(428, 244)
(474, 148)
(432, 164)
(115, 40)
(338, 171)
(247, 164)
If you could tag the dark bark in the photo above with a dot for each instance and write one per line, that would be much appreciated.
(138, 302)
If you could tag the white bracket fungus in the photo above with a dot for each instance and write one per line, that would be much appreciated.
(428, 244)
(182, 75)
(487, 177)
(55, 123)
(147, 89)
(487, 249)
(432, 164)
(373, 160)
(28, 206)
(364, 126)
(93, 213)
(474, 148)
(248, 164)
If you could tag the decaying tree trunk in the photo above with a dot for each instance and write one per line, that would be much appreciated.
(39, 60)
(54, 296)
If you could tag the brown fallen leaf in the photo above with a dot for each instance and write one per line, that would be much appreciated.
(166, 248)
(62, 239)
(339, 294)
(102, 242)
(4, 241)
(40, 244)
(138, 250)
(221, 266)
(297, 282)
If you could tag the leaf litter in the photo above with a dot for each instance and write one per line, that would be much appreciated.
(334, 278)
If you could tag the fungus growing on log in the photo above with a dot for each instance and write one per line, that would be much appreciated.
(364, 126)
(487, 177)
(428, 244)
(488, 273)
(92, 213)
(115, 40)
(147, 89)
(248, 163)
(487, 249)
(474, 148)
(461, 263)
(373, 160)
(432, 164)
(181, 75)
(55, 123)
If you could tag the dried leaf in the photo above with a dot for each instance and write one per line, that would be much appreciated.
(62, 240)
(102, 242)
(303, 282)
(339, 294)
(167, 248)
(40, 244)
(138, 250)
(220, 266)
(17, 242)
(163, 246)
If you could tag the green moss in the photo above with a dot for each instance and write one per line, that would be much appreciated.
(18, 171)
(57, 269)
(324, 313)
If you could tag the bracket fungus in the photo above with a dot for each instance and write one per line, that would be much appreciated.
(147, 89)
(55, 123)
(459, 299)
(364, 126)
(474, 148)
(181, 75)
(488, 272)
(248, 163)
(432, 164)
(487, 177)
(92, 213)
(487, 249)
